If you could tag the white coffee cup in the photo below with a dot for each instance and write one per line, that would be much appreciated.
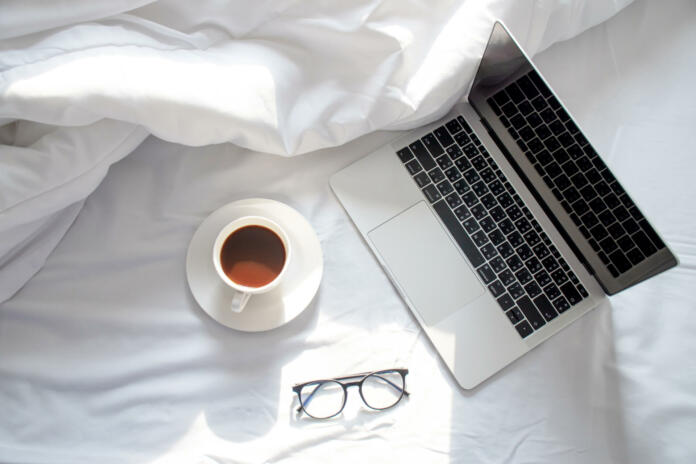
(243, 292)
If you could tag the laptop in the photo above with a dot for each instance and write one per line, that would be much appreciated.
(499, 224)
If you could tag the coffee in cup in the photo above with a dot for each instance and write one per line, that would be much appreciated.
(251, 255)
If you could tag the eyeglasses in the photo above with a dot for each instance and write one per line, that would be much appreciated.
(322, 399)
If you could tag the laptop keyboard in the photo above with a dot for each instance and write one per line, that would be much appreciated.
(512, 255)
(586, 189)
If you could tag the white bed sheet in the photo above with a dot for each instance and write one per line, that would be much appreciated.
(104, 355)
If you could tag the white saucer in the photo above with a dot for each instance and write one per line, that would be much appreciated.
(269, 310)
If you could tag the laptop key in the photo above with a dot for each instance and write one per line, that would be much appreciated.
(571, 293)
(404, 154)
(552, 291)
(432, 145)
(545, 307)
(635, 256)
(480, 238)
(496, 288)
(542, 278)
(498, 264)
(445, 188)
(443, 136)
(515, 315)
(505, 301)
(432, 193)
(650, 232)
(620, 261)
(458, 233)
(561, 305)
(516, 290)
(507, 277)
(524, 329)
(421, 179)
(453, 126)
(422, 154)
(489, 251)
(486, 273)
(453, 200)
(530, 312)
(461, 186)
(532, 289)
(471, 225)
(453, 174)
(462, 213)
(413, 167)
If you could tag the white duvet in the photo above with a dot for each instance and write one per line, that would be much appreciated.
(83, 82)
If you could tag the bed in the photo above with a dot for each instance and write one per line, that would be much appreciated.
(106, 356)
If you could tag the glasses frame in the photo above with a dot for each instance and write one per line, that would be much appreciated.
(346, 385)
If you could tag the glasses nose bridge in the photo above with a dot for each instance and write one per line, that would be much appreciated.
(347, 385)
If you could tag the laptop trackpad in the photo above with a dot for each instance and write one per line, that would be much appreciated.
(429, 267)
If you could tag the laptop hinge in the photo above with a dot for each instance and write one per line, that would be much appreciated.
(536, 195)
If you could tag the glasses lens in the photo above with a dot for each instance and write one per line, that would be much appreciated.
(382, 390)
(322, 399)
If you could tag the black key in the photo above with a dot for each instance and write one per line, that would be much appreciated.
(471, 225)
(516, 290)
(602, 256)
(582, 291)
(453, 174)
(650, 232)
(422, 154)
(534, 120)
(458, 233)
(453, 126)
(515, 316)
(535, 144)
(598, 232)
(461, 186)
(487, 224)
(543, 278)
(549, 263)
(514, 263)
(505, 301)
(606, 217)
(598, 205)
(561, 305)
(571, 293)
(444, 162)
(540, 250)
(462, 164)
(436, 175)
(619, 260)
(630, 225)
(552, 144)
(505, 250)
(545, 308)
(505, 201)
(422, 179)
(404, 154)
(588, 193)
(513, 211)
(432, 193)
(464, 124)
(507, 277)
(514, 93)
(523, 225)
(534, 265)
(621, 214)
(509, 109)
(480, 238)
(559, 276)
(570, 168)
(496, 188)
(478, 211)
(488, 250)
(475, 139)
(635, 256)
(532, 238)
(432, 145)
(530, 312)
(496, 288)
(413, 166)
(486, 273)
(532, 289)
(612, 270)
(488, 176)
(580, 207)
(518, 121)
(553, 170)
(479, 163)
(552, 291)
(523, 276)
(497, 214)
(525, 252)
(616, 231)
(498, 264)
(480, 188)
(462, 213)
(453, 200)
(462, 139)
(471, 176)
(554, 103)
(470, 199)
(539, 103)
(496, 237)
(488, 201)
(527, 134)
(527, 87)
(443, 136)
(524, 329)
(589, 219)
(593, 176)
(445, 188)
(515, 239)
(506, 226)
(454, 152)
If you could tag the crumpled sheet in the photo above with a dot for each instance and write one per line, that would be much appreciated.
(83, 82)
(105, 356)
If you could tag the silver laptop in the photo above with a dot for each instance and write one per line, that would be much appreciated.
(499, 224)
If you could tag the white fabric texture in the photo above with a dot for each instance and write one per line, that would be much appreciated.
(105, 356)
(278, 77)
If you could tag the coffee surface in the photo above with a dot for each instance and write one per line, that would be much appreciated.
(252, 256)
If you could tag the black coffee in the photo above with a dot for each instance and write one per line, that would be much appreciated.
(252, 256)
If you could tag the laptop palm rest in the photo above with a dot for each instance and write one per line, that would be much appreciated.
(427, 265)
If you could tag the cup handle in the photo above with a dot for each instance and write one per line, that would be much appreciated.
(239, 301)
